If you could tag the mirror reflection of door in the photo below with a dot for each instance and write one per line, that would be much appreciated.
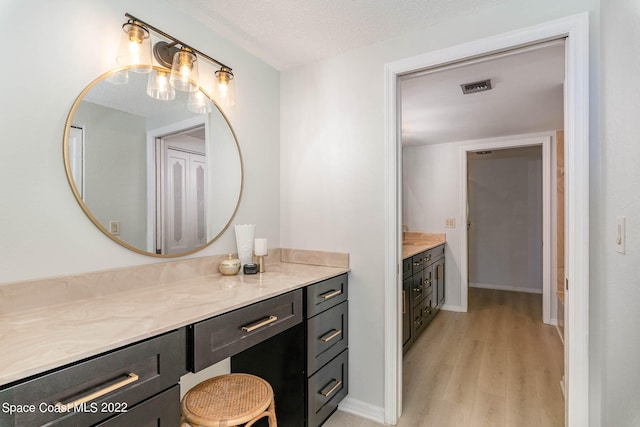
(76, 157)
(181, 191)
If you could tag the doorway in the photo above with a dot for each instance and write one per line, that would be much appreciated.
(508, 219)
(178, 170)
(181, 178)
(575, 28)
(539, 237)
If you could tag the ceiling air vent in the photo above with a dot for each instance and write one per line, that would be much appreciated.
(476, 87)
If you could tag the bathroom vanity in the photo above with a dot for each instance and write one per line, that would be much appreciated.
(423, 285)
(116, 359)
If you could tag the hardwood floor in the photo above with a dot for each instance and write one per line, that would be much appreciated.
(497, 365)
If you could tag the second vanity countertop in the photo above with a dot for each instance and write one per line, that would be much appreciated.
(40, 339)
(415, 242)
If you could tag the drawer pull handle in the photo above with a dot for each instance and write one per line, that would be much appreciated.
(332, 389)
(260, 324)
(131, 377)
(331, 294)
(404, 302)
(331, 336)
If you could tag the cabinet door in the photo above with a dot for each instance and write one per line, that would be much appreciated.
(162, 410)
(407, 307)
(439, 274)
(407, 268)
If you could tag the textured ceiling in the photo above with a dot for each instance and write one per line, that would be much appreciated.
(527, 97)
(527, 94)
(290, 33)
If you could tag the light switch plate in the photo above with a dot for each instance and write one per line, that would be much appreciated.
(620, 234)
(450, 223)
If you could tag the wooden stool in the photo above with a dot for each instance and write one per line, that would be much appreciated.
(229, 400)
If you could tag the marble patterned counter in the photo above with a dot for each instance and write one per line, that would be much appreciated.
(38, 336)
(415, 242)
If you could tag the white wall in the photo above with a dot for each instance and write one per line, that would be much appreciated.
(68, 44)
(616, 277)
(332, 164)
(505, 210)
(431, 192)
(115, 184)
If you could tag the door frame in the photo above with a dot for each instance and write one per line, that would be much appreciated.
(514, 142)
(576, 30)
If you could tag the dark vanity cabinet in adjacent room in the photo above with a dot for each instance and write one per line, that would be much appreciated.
(438, 279)
(407, 284)
(423, 292)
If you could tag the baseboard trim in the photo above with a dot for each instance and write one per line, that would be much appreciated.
(362, 409)
(504, 288)
(455, 308)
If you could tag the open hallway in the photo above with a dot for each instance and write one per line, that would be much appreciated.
(497, 365)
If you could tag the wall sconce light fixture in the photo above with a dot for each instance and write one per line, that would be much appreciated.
(135, 47)
(180, 60)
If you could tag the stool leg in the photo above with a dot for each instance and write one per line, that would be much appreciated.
(272, 414)
(261, 416)
(272, 419)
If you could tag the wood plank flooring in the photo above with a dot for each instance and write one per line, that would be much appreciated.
(496, 366)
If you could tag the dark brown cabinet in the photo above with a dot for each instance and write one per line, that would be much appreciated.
(307, 365)
(438, 284)
(215, 339)
(423, 292)
(298, 341)
(125, 387)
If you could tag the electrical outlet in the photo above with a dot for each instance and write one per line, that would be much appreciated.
(114, 227)
(450, 223)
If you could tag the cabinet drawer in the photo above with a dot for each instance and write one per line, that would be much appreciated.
(407, 267)
(327, 336)
(434, 254)
(327, 388)
(427, 280)
(326, 294)
(418, 262)
(96, 389)
(417, 290)
(418, 320)
(428, 310)
(162, 410)
(217, 338)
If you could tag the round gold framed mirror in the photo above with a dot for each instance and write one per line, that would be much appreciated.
(157, 170)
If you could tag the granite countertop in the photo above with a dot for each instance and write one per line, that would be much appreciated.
(415, 242)
(43, 338)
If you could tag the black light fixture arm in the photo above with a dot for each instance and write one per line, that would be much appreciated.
(176, 41)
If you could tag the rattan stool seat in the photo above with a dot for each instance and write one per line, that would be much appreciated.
(229, 400)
